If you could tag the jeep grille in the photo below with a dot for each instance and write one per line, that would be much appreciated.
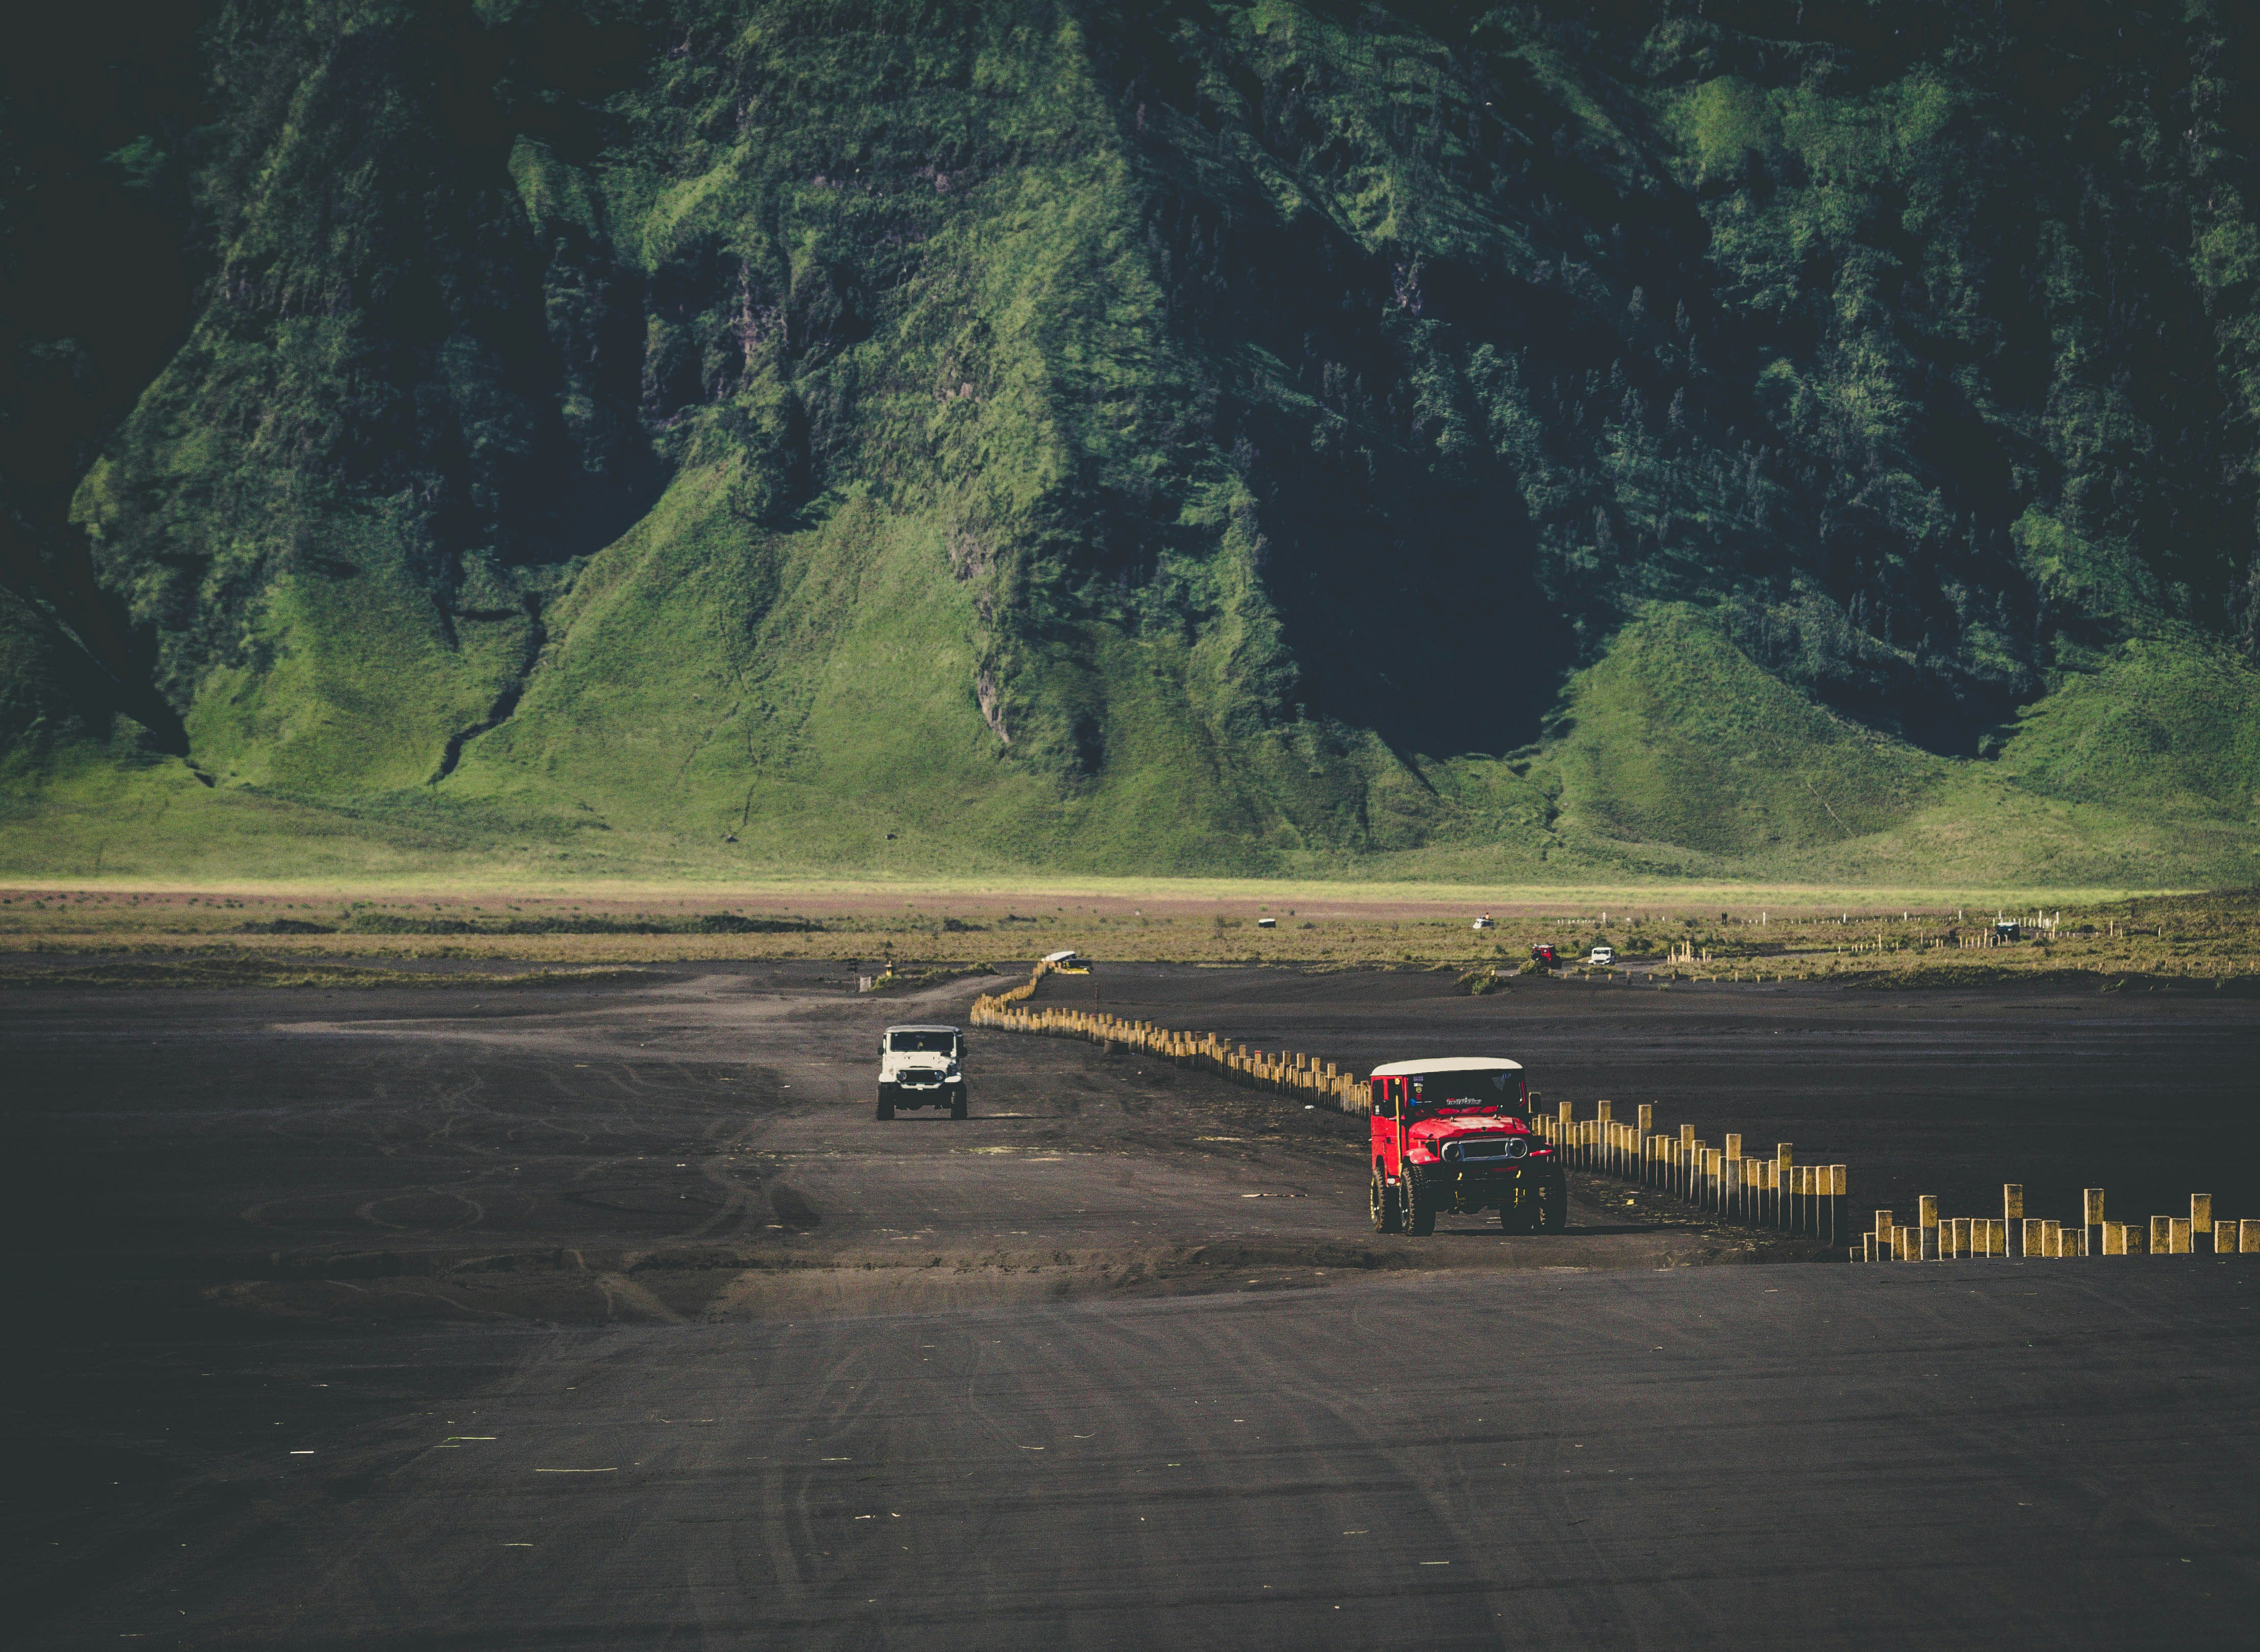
(1487, 1147)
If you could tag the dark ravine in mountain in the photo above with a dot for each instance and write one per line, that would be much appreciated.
(1552, 441)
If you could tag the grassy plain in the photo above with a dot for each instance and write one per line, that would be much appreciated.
(1902, 937)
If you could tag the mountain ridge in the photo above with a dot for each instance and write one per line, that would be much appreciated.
(1206, 437)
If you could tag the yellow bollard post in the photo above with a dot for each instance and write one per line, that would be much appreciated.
(2012, 1207)
(2162, 1235)
(2091, 1218)
(2052, 1240)
(2202, 1220)
(1926, 1221)
(2248, 1234)
(2178, 1236)
(2032, 1242)
(2115, 1238)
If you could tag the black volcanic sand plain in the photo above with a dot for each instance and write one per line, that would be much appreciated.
(609, 1316)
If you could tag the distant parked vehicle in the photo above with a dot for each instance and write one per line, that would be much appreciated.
(1266, 923)
(921, 1067)
(1482, 922)
(2008, 929)
(1544, 953)
(1602, 954)
(1068, 963)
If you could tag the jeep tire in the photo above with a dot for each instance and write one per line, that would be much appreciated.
(1380, 1200)
(1420, 1203)
(1552, 1215)
(886, 1101)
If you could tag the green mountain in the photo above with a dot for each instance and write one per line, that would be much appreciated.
(1762, 438)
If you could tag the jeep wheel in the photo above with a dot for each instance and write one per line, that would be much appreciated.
(886, 1101)
(957, 1103)
(1419, 1205)
(1553, 1207)
(1381, 1201)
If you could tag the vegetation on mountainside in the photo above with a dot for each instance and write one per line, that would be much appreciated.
(1521, 442)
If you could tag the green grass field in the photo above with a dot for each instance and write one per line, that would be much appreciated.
(285, 934)
(1676, 761)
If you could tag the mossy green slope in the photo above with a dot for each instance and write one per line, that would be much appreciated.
(1215, 437)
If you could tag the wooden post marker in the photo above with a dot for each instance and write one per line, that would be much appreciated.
(2248, 1234)
(1784, 1182)
(2178, 1236)
(2012, 1207)
(2162, 1235)
(2201, 1220)
(1926, 1223)
(2092, 1219)
(2053, 1245)
(2032, 1242)
(2115, 1238)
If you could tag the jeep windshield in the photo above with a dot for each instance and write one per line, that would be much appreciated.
(1484, 1089)
(923, 1043)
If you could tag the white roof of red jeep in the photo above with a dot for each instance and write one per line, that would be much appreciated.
(1449, 1064)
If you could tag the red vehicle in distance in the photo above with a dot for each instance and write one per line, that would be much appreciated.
(1544, 953)
(1453, 1134)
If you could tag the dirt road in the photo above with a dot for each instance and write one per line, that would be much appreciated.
(612, 1317)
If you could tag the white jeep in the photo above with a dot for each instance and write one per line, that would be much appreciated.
(920, 1066)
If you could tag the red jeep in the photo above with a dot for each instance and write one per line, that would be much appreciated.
(1454, 1135)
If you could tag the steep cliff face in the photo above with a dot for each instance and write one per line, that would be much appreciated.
(1216, 436)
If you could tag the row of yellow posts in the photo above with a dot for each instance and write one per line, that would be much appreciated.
(1934, 1238)
(1288, 1073)
(1804, 1200)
